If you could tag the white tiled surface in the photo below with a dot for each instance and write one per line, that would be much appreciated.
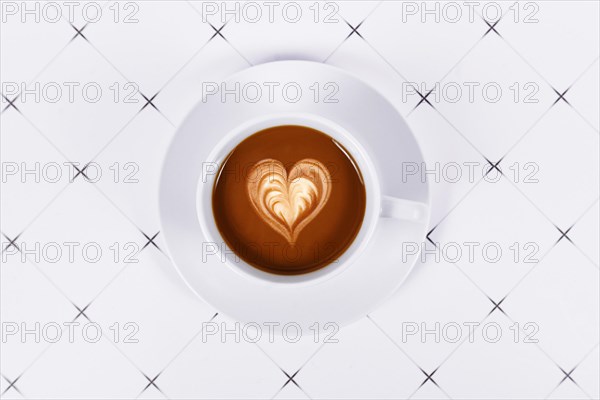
(546, 146)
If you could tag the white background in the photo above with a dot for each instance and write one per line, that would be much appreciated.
(167, 50)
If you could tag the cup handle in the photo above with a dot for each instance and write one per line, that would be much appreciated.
(407, 210)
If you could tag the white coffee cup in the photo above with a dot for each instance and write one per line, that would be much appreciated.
(377, 205)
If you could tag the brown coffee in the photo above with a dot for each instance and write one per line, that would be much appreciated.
(289, 200)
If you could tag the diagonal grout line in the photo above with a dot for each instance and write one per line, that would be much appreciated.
(585, 120)
(297, 371)
(527, 131)
(549, 108)
(542, 213)
(461, 343)
(423, 99)
(333, 51)
(387, 62)
(110, 282)
(112, 139)
(584, 72)
(192, 58)
(347, 37)
(410, 396)
(574, 368)
(42, 134)
(372, 11)
(128, 80)
(549, 84)
(11, 385)
(189, 342)
(534, 266)
(439, 81)
(116, 207)
(550, 220)
(137, 91)
(10, 103)
(459, 61)
(36, 359)
(184, 65)
(577, 220)
(11, 242)
(150, 240)
(393, 341)
(586, 356)
(209, 40)
(475, 284)
(568, 375)
(124, 214)
(95, 48)
(537, 345)
(108, 61)
(48, 64)
(250, 63)
(527, 62)
(458, 203)
(151, 382)
(406, 355)
(466, 139)
(109, 340)
(472, 47)
(56, 196)
(176, 355)
(586, 256)
(58, 289)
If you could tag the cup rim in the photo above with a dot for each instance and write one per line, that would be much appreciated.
(234, 137)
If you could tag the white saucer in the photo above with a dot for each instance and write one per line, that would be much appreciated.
(382, 132)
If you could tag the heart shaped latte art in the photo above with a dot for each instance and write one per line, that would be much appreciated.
(288, 202)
